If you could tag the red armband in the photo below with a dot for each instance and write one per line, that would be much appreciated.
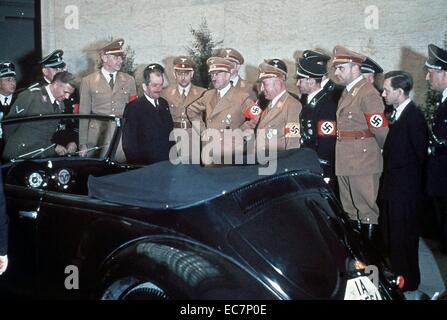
(132, 98)
(252, 112)
(376, 120)
(327, 128)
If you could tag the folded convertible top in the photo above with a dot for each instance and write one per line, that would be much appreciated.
(167, 186)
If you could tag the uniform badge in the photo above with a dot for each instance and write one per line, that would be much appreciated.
(18, 111)
(253, 112)
(228, 120)
(292, 130)
(44, 99)
(327, 128)
(376, 120)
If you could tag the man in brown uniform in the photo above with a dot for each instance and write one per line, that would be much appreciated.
(222, 107)
(105, 92)
(236, 57)
(361, 133)
(280, 119)
(184, 93)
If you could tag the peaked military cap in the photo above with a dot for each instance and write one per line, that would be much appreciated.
(437, 58)
(312, 65)
(114, 48)
(183, 63)
(155, 66)
(53, 60)
(370, 66)
(231, 54)
(7, 69)
(315, 55)
(219, 64)
(274, 68)
(344, 55)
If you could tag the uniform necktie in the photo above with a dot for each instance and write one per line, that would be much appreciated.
(5, 103)
(156, 102)
(111, 81)
(231, 83)
(56, 106)
(183, 95)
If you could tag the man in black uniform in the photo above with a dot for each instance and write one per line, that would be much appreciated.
(404, 155)
(51, 65)
(318, 117)
(148, 122)
(437, 160)
(7, 92)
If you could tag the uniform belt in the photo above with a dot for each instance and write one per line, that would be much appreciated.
(182, 125)
(354, 134)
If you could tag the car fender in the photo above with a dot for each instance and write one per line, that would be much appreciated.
(178, 268)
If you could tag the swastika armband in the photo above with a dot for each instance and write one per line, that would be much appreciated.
(376, 120)
(292, 130)
(326, 128)
(252, 112)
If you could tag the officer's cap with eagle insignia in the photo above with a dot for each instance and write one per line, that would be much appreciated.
(219, 64)
(183, 63)
(53, 60)
(273, 68)
(231, 54)
(114, 48)
(313, 64)
(7, 69)
(437, 58)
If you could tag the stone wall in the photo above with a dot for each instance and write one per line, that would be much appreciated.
(394, 33)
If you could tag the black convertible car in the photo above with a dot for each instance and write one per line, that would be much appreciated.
(93, 228)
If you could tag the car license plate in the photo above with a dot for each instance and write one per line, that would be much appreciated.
(361, 288)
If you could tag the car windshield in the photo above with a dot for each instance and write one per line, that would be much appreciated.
(59, 136)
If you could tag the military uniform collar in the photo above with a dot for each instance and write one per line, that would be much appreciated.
(444, 95)
(353, 83)
(107, 74)
(187, 89)
(235, 80)
(50, 95)
(276, 99)
(152, 101)
(311, 96)
(223, 92)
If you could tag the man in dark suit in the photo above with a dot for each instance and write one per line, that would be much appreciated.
(437, 160)
(148, 122)
(404, 156)
(318, 117)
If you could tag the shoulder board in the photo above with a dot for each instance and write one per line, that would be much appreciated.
(34, 89)
(34, 85)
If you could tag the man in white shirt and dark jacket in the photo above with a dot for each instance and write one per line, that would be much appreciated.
(401, 190)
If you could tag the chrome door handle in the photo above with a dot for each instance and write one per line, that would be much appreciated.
(28, 214)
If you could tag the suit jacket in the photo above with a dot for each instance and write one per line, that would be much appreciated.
(98, 98)
(23, 138)
(3, 221)
(317, 134)
(176, 103)
(360, 156)
(278, 121)
(146, 131)
(437, 162)
(404, 155)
